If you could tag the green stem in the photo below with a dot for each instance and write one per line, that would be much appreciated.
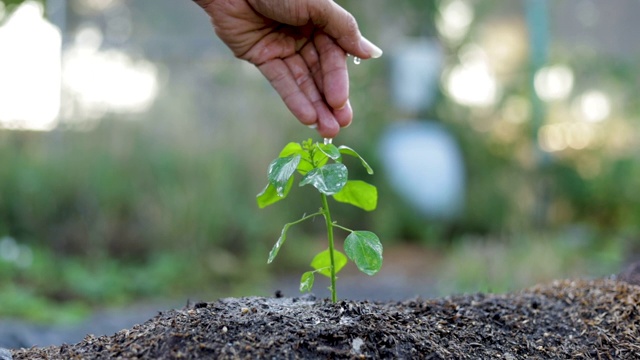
(342, 227)
(327, 217)
(304, 218)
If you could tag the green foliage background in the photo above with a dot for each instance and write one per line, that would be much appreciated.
(164, 205)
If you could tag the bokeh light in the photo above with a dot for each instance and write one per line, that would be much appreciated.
(554, 82)
(505, 44)
(29, 70)
(454, 20)
(566, 135)
(471, 82)
(593, 106)
(101, 81)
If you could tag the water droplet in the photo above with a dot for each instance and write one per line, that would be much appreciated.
(356, 60)
(327, 141)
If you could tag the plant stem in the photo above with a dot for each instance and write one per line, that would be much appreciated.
(342, 227)
(327, 218)
(305, 217)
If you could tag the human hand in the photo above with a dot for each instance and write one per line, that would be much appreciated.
(300, 46)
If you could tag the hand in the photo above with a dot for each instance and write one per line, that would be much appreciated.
(300, 46)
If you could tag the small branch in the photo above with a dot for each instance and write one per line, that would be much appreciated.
(305, 218)
(342, 227)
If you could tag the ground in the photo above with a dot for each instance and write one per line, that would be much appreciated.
(577, 319)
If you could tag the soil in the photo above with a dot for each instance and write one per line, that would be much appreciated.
(578, 319)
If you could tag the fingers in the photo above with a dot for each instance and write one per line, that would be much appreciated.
(344, 116)
(314, 85)
(342, 26)
(335, 78)
(294, 83)
(328, 127)
(327, 64)
(282, 79)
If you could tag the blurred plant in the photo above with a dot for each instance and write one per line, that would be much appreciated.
(58, 289)
(500, 264)
(310, 160)
(92, 215)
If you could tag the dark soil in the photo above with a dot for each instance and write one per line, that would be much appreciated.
(581, 319)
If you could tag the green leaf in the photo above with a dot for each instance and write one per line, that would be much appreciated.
(328, 179)
(269, 195)
(281, 170)
(331, 151)
(283, 235)
(365, 249)
(291, 149)
(349, 151)
(276, 247)
(322, 262)
(358, 193)
(305, 164)
(307, 144)
(320, 159)
(306, 282)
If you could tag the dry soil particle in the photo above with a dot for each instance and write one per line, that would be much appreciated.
(596, 319)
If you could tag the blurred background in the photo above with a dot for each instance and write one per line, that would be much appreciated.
(504, 135)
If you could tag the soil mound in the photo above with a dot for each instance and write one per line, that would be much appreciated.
(579, 319)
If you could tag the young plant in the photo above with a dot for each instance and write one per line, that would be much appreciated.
(320, 165)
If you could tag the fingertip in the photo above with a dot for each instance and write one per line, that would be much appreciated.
(344, 116)
(306, 116)
(370, 48)
(328, 125)
(330, 130)
(337, 102)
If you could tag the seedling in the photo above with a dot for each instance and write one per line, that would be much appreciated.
(320, 165)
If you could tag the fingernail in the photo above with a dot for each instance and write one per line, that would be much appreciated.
(374, 51)
(312, 126)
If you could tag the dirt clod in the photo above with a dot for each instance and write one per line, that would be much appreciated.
(581, 319)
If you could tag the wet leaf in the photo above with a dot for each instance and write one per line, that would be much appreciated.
(269, 195)
(276, 247)
(328, 179)
(358, 193)
(283, 236)
(365, 249)
(319, 159)
(281, 170)
(290, 149)
(305, 165)
(306, 282)
(331, 151)
(322, 262)
(345, 150)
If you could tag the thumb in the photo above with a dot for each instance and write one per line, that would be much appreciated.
(342, 26)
